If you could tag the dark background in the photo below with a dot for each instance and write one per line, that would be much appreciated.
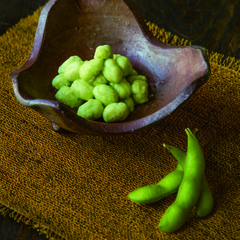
(213, 24)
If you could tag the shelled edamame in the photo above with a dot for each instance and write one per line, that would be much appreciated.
(188, 179)
(108, 78)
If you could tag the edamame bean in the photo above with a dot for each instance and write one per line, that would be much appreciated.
(105, 94)
(60, 81)
(130, 103)
(66, 95)
(82, 89)
(102, 78)
(133, 73)
(99, 79)
(189, 190)
(135, 77)
(90, 69)
(91, 110)
(140, 91)
(66, 63)
(205, 202)
(115, 112)
(124, 63)
(111, 71)
(123, 88)
(104, 52)
(71, 71)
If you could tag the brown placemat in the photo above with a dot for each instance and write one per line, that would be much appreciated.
(75, 186)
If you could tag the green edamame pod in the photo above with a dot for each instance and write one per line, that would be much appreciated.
(189, 190)
(177, 153)
(205, 202)
(153, 193)
(147, 194)
(172, 181)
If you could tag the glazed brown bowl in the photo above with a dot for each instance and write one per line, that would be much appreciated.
(77, 27)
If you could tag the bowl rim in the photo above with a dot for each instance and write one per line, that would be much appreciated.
(101, 127)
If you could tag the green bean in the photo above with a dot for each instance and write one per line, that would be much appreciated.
(189, 190)
(205, 202)
(153, 193)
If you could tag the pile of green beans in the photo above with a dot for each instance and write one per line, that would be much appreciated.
(188, 180)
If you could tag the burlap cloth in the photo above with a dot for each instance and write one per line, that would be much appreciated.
(73, 186)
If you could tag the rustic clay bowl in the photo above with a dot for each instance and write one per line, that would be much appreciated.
(77, 27)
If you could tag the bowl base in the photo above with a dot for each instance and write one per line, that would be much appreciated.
(57, 128)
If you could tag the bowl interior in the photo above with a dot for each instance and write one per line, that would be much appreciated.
(77, 27)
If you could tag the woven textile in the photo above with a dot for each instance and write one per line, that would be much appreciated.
(73, 186)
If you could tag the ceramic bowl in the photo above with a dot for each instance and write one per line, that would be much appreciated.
(77, 27)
